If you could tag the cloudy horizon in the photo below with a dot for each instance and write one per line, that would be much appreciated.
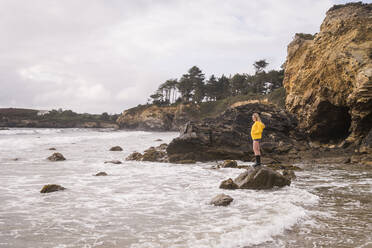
(106, 56)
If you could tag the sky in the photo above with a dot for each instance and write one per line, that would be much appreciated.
(99, 56)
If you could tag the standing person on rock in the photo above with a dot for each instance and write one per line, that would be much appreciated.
(256, 133)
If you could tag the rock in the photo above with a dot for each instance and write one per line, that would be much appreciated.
(261, 178)
(101, 174)
(328, 77)
(221, 200)
(158, 140)
(289, 174)
(153, 155)
(229, 164)
(116, 148)
(51, 188)
(52, 149)
(113, 162)
(284, 167)
(190, 161)
(228, 184)
(56, 157)
(228, 135)
(135, 156)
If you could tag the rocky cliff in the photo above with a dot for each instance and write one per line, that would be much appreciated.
(328, 76)
(156, 118)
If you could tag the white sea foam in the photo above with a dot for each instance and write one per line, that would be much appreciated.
(140, 204)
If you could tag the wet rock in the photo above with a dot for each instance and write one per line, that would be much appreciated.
(190, 161)
(52, 149)
(228, 184)
(153, 155)
(56, 157)
(221, 200)
(261, 178)
(51, 188)
(227, 136)
(229, 164)
(136, 156)
(102, 173)
(289, 174)
(113, 162)
(284, 167)
(116, 148)
(158, 140)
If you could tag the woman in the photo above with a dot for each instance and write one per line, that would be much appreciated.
(256, 133)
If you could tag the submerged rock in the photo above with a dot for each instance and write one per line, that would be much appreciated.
(261, 178)
(221, 200)
(51, 188)
(116, 148)
(101, 174)
(57, 157)
(113, 162)
(228, 184)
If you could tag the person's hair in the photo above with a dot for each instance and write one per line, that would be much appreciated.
(257, 116)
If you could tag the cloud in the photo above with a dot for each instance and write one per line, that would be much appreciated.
(96, 56)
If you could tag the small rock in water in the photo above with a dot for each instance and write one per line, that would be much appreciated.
(158, 140)
(228, 184)
(116, 148)
(229, 164)
(113, 162)
(56, 157)
(102, 173)
(52, 149)
(221, 200)
(51, 188)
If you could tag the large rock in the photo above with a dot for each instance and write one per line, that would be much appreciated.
(152, 154)
(228, 184)
(228, 135)
(261, 178)
(51, 188)
(328, 76)
(221, 200)
(56, 157)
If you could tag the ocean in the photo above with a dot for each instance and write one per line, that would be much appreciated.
(153, 205)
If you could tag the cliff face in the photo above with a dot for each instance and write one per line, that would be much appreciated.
(328, 77)
(157, 118)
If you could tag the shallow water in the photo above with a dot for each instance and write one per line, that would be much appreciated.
(144, 204)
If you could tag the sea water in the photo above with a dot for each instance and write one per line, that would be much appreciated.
(147, 204)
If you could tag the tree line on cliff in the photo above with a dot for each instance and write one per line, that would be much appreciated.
(194, 87)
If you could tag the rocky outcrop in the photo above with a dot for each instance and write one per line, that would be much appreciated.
(56, 157)
(328, 76)
(228, 135)
(156, 118)
(261, 178)
(152, 154)
(51, 188)
(221, 200)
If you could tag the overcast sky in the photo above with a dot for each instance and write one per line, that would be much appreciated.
(108, 55)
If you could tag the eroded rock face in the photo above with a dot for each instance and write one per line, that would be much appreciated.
(328, 77)
(261, 178)
(228, 135)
